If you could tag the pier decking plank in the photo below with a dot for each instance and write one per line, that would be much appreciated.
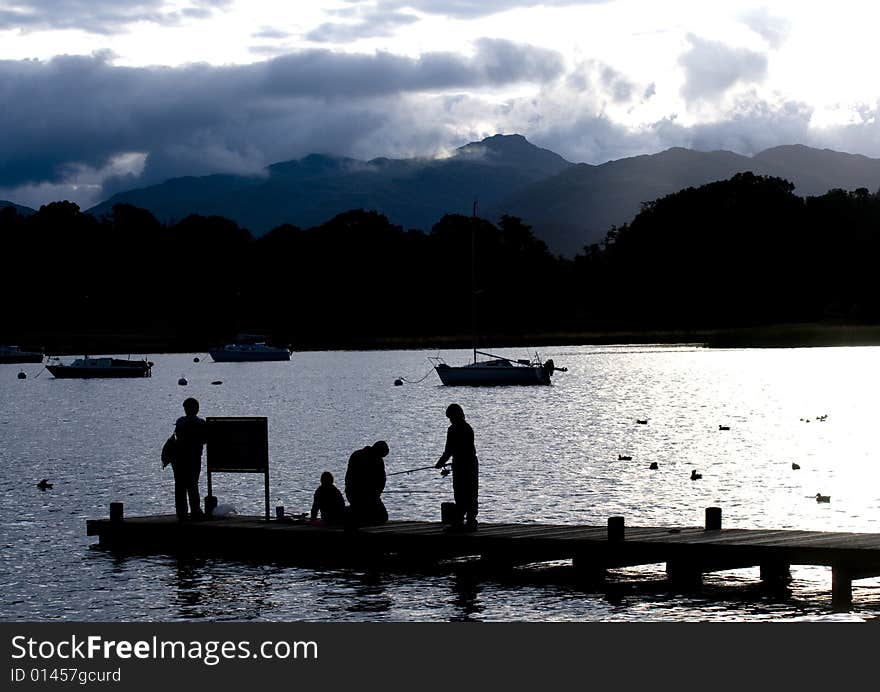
(687, 551)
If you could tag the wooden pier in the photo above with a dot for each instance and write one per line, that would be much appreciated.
(687, 552)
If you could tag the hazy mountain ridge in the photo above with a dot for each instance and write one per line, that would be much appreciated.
(579, 205)
(414, 193)
(25, 211)
(569, 205)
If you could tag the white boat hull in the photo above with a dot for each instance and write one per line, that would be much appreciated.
(492, 374)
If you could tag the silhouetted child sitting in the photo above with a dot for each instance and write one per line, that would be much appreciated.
(329, 502)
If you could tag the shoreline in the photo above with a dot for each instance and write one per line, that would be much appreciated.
(770, 336)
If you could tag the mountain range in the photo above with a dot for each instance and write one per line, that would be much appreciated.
(24, 211)
(568, 205)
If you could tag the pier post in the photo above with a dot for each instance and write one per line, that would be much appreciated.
(775, 573)
(683, 573)
(210, 504)
(713, 518)
(588, 571)
(116, 512)
(616, 529)
(841, 587)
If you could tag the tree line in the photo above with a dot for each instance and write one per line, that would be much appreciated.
(741, 252)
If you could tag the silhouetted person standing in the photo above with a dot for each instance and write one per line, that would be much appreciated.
(328, 502)
(364, 483)
(460, 448)
(190, 431)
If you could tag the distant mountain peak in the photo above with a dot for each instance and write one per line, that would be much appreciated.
(498, 143)
(511, 150)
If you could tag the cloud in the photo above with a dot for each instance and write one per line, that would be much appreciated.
(381, 18)
(270, 32)
(101, 16)
(711, 68)
(79, 127)
(595, 76)
(374, 22)
(468, 9)
(620, 87)
(82, 111)
(774, 30)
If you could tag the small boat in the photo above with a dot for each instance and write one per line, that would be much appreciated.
(13, 354)
(497, 371)
(87, 367)
(249, 348)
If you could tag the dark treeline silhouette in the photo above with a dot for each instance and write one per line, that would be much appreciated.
(741, 252)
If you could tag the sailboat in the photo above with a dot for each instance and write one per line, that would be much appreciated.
(493, 370)
(497, 371)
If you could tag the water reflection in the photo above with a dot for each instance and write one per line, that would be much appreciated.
(466, 589)
(547, 455)
(370, 596)
(212, 589)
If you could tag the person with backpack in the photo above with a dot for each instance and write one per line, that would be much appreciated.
(191, 435)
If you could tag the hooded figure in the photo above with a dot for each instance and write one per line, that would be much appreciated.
(364, 483)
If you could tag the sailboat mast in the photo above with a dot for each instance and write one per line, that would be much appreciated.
(473, 283)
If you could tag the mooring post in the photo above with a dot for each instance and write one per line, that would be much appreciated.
(210, 504)
(713, 518)
(116, 511)
(616, 529)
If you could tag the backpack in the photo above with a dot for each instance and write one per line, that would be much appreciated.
(169, 451)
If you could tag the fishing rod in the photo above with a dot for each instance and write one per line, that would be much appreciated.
(420, 468)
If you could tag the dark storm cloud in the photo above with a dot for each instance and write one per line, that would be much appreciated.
(752, 127)
(711, 68)
(83, 111)
(99, 16)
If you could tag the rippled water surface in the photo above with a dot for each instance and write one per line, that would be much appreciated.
(547, 454)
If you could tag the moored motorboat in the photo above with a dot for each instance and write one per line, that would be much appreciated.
(247, 351)
(104, 367)
(13, 354)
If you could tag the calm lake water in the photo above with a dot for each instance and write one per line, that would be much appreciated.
(547, 454)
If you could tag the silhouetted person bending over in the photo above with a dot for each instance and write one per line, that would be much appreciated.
(190, 431)
(328, 502)
(460, 448)
(364, 483)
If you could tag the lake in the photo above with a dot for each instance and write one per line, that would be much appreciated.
(547, 454)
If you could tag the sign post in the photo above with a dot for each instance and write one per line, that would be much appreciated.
(238, 444)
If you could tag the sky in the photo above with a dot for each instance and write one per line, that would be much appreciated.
(98, 96)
